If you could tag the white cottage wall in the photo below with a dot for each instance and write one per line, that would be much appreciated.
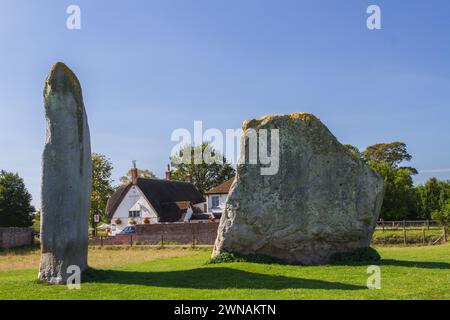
(134, 196)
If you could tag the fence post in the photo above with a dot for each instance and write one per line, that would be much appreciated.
(423, 235)
(193, 235)
(404, 232)
(445, 234)
(131, 240)
(101, 241)
(428, 224)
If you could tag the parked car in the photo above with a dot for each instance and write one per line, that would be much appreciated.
(128, 230)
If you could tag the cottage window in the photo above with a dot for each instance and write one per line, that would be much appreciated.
(134, 214)
(215, 201)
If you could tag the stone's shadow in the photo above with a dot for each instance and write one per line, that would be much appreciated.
(211, 278)
(400, 263)
(415, 264)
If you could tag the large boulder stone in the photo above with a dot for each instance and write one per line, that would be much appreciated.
(66, 178)
(323, 200)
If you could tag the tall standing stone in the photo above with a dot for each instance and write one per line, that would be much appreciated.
(66, 178)
(322, 201)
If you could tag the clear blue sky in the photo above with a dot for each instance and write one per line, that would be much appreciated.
(149, 67)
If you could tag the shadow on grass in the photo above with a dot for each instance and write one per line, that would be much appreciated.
(211, 278)
(415, 264)
(399, 263)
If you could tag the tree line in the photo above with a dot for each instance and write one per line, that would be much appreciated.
(402, 200)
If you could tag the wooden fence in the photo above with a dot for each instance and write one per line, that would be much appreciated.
(403, 232)
(418, 230)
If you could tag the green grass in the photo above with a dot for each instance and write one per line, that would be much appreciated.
(407, 273)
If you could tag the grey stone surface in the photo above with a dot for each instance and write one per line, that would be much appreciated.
(66, 177)
(322, 201)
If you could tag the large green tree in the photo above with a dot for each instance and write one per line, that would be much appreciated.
(204, 174)
(15, 201)
(143, 173)
(102, 187)
(442, 215)
(393, 153)
(400, 198)
(432, 196)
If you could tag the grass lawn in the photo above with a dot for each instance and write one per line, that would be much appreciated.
(407, 273)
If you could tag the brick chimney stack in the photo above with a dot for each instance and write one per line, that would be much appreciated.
(134, 173)
(168, 173)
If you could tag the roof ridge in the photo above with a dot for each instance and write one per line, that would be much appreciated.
(223, 187)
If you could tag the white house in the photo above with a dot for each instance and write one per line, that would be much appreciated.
(151, 201)
(216, 197)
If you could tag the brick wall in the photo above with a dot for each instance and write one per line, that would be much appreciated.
(179, 233)
(183, 233)
(15, 237)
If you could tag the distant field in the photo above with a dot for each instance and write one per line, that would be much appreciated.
(407, 273)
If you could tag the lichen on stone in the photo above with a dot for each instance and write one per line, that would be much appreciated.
(291, 118)
(62, 78)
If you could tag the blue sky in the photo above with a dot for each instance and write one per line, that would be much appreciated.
(149, 67)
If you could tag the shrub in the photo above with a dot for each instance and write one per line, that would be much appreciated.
(118, 221)
(132, 222)
(361, 255)
(146, 221)
(443, 215)
(224, 257)
(228, 257)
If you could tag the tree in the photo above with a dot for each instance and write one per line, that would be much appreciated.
(15, 201)
(204, 175)
(101, 185)
(443, 215)
(37, 222)
(393, 153)
(400, 198)
(143, 173)
(432, 196)
(354, 151)
(429, 197)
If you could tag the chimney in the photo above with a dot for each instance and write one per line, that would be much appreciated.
(168, 173)
(189, 178)
(134, 173)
